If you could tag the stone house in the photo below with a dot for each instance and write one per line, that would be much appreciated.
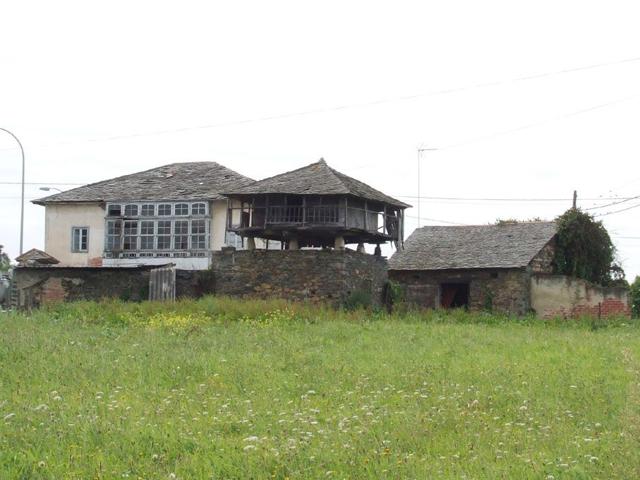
(170, 214)
(478, 267)
(284, 236)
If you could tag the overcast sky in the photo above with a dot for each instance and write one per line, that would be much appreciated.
(100, 89)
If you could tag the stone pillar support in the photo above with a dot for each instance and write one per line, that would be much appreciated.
(293, 244)
(339, 243)
(251, 243)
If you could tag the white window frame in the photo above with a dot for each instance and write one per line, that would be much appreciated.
(195, 211)
(80, 249)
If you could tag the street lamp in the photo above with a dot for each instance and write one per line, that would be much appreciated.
(46, 189)
(22, 194)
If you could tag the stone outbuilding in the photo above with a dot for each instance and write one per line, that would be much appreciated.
(476, 267)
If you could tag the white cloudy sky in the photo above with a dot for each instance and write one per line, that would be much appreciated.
(99, 89)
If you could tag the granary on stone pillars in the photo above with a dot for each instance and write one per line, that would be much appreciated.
(315, 206)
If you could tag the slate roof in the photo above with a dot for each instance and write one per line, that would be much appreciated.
(36, 257)
(177, 181)
(315, 179)
(474, 246)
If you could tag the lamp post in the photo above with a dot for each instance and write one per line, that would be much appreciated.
(22, 193)
(47, 189)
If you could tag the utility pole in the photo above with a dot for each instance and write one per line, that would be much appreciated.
(420, 150)
(575, 199)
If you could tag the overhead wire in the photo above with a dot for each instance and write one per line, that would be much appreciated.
(356, 104)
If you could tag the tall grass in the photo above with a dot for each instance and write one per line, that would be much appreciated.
(222, 388)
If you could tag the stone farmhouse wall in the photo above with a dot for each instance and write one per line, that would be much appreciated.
(307, 275)
(506, 290)
(39, 286)
(554, 296)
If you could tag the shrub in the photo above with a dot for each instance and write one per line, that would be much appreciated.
(358, 299)
(635, 298)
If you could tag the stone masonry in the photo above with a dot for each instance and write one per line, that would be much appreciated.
(310, 275)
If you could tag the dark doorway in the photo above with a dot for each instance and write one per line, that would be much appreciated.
(454, 295)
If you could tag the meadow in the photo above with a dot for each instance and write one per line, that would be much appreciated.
(220, 388)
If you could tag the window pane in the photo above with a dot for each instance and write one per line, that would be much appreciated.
(114, 227)
(164, 227)
(146, 242)
(114, 211)
(181, 227)
(182, 209)
(113, 243)
(148, 210)
(198, 226)
(198, 242)
(198, 209)
(164, 242)
(84, 238)
(131, 227)
(181, 242)
(164, 210)
(131, 210)
(130, 243)
(75, 242)
(147, 227)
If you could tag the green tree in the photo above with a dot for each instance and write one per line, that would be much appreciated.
(5, 261)
(635, 297)
(585, 249)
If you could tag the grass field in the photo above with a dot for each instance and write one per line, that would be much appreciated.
(224, 389)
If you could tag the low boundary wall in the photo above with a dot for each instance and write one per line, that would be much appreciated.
(566, 297)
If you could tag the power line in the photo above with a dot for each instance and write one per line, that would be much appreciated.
(536, 124)
(614, 203)
(617, 211)
(356, 105)
(504, 199)
(434, 220)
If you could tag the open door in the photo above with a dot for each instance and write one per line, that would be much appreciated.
(454, 295)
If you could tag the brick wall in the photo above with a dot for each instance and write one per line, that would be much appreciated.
(506, 290)
(45, 285)
(314, 275)
(565, 297)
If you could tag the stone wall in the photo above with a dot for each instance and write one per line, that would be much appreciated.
(313, 275)
(504, 290)
(565, 297)
(44, 285)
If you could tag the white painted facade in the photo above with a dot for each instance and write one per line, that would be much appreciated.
(61, 219)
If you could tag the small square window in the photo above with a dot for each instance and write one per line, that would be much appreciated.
(79, 239)
(131, 210)
(164, 209)
(198, 209)
(182, 209)
(148, 210)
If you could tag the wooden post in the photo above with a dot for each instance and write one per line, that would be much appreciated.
(384, 219)
(346, 208)
(366, 219)
(266, 210)
(304, 209)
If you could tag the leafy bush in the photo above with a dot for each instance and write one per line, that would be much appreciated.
(358, 299)
(585, 249)
(635, 298)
